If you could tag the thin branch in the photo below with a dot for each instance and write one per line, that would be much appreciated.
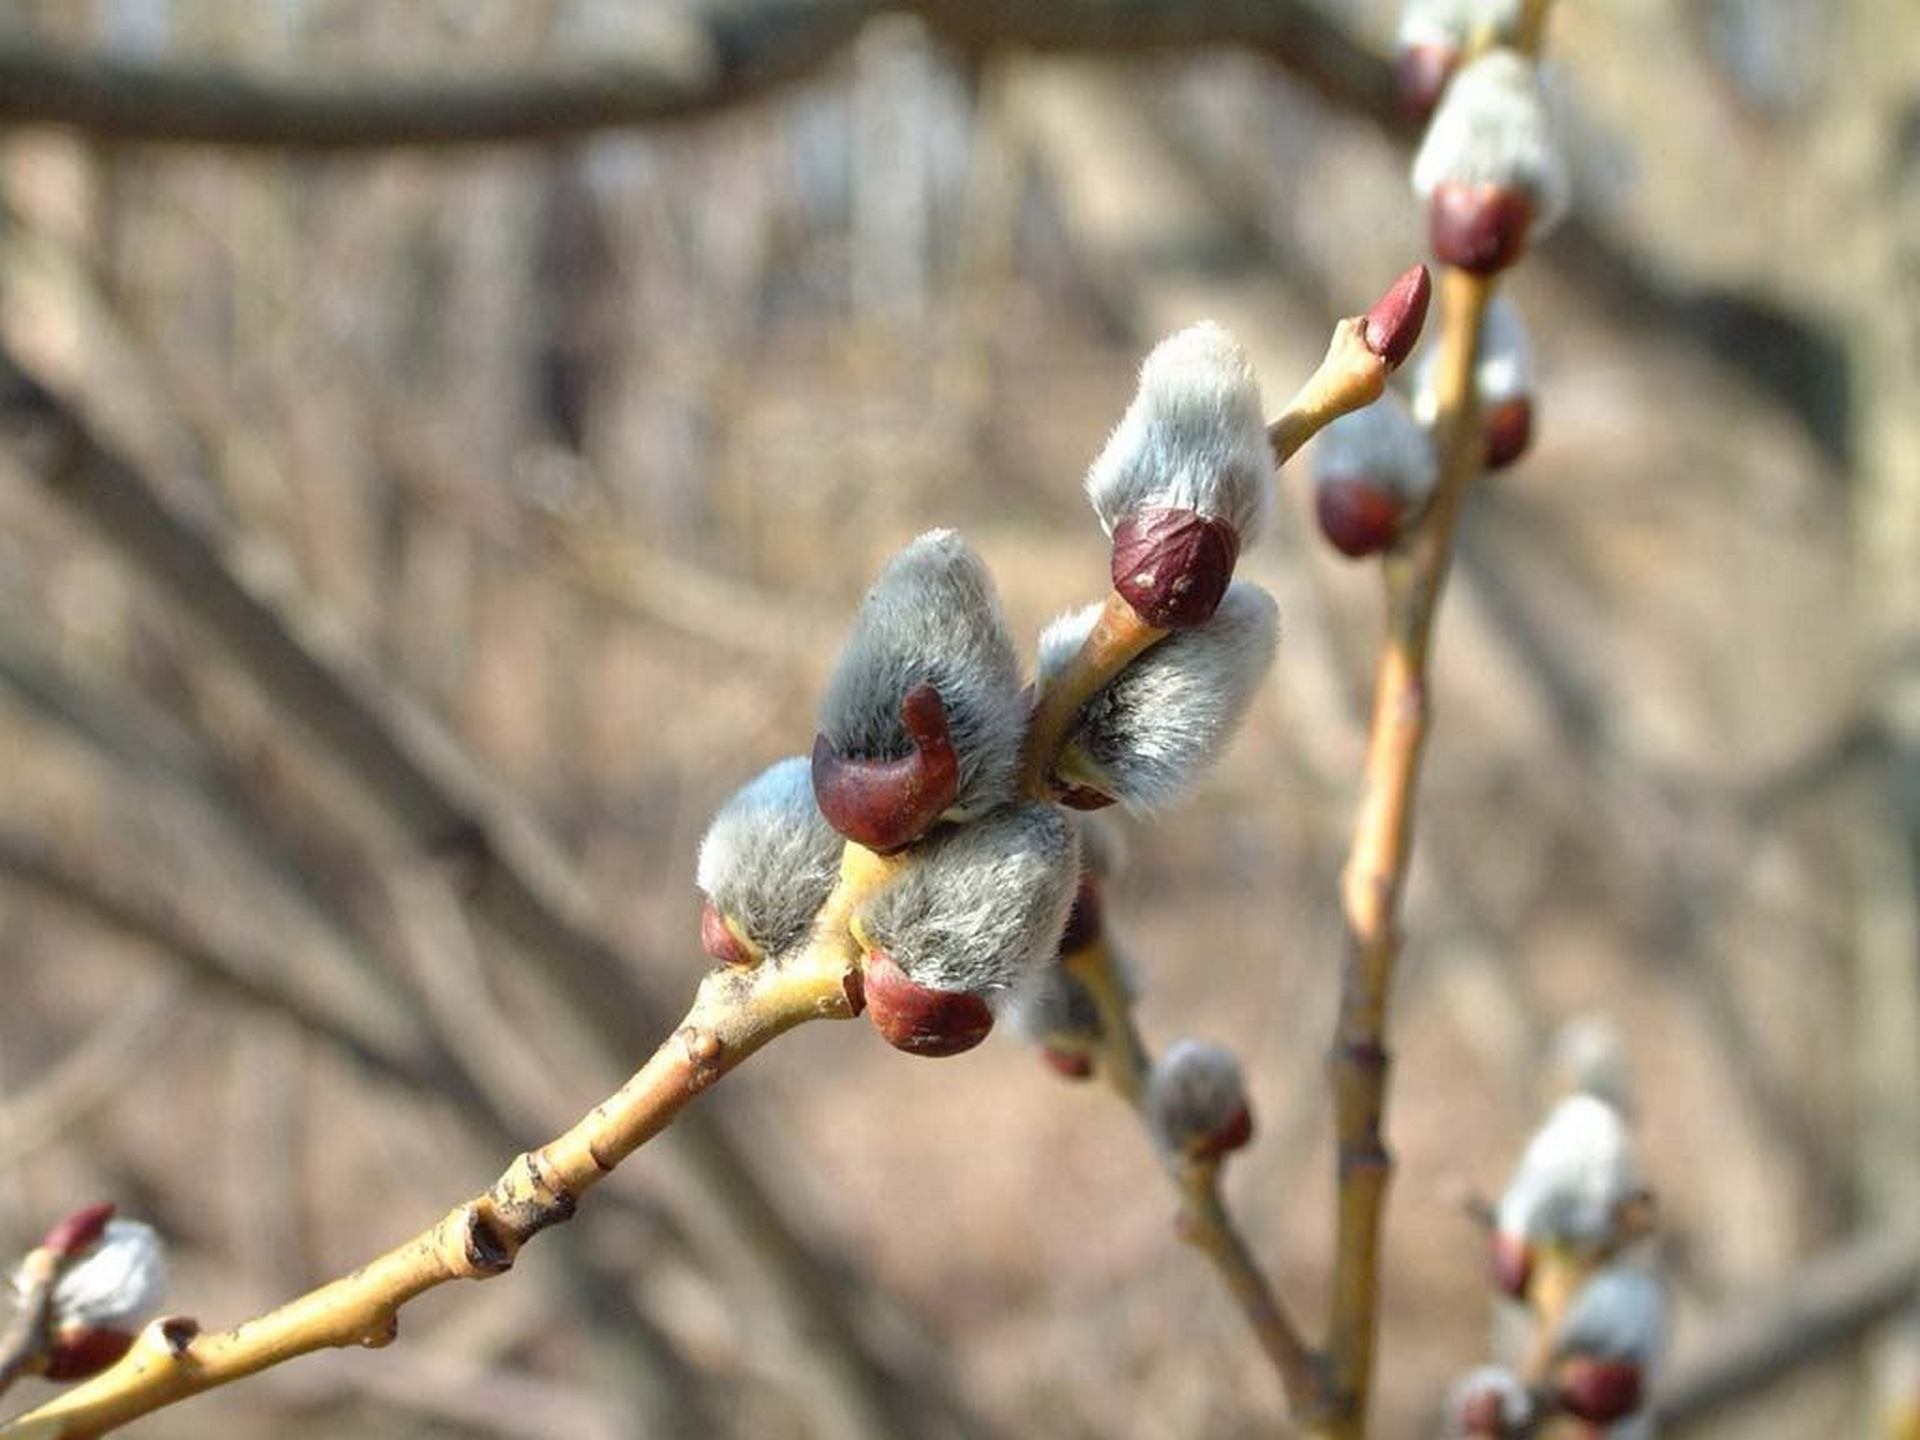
(1812, 1315)
(737, 1011)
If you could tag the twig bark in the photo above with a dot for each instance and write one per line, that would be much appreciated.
(736, 1012)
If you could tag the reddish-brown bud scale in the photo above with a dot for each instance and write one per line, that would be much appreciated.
(919, 1020)
(1084, 920)
(1420, 76)
(1480, 228)
(1236, 1134)
(1392, 327)
(1509, 431)
(1070, 1064)
(1083, 798)
(1173, 566)
(1510, 1264)
(1358, 517)
(719, 941)
(1599, 1391)
(886, 805)
(83, 1351)
(79, 1231)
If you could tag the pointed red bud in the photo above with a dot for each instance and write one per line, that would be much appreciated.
(1510, 1264)
(1420, 76)
(1509, 431)
(82, 1351)
(1392, 327)
(1173, 566)
(1358, 517)
(1069, 1064)
(886, 805)
(79, 1231)
(1480, 228)
(919, 1020)
(719, 941)
(1599, 1391)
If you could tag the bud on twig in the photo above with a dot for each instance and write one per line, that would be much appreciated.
(1608, 1342)
(1145, 738)
(1373, 471)
(1197, 1101)
(1572, 1189)
(1182, 483)
(767, 864)
(102, 1296)
(923, 717)
(1488, 1404)
(1502, 382)
(979, 908)
(1490, 168)
(1433, 38)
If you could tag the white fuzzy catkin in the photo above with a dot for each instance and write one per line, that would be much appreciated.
(980, 907)
(1194, 1093)
(1619, 1314)
(933, 616)
(769, 858)
(1494, 127)
(1502, 368)
(1050, 1006)
(1572, 1178)
(1381, 443)
(1159, 723)
(117, 1284)
(1516, 1405)
(1194, 438)
(1453, 23)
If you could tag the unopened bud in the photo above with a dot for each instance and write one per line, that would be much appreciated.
(1611, 1334)
(1490, 168)
(1197, 1101)
(1488, 1404)
(1153, 730)
(923, 717)
(1502, 382)
(102, 1295)
(1182, 484)
(1599, 1391)
(1574, 1179)
(1392, 327)
(1374, 470)
(767, 864)
(917, 1018)
(1433, 38)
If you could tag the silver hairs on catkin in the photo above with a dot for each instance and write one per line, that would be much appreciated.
(769, 859)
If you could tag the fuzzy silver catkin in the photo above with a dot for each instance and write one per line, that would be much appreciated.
(117, 1284)
(1453, 23)
(980, 906)
(1516, 1405)
(1194, 1092)
(1619, 1314)
(1382, 443)
(933, 616)
(1166, 717)
(1194, 438)
(1575, 1173)
(769, 859)
(1494, 127)
(1502, 367)
(1050, 1006)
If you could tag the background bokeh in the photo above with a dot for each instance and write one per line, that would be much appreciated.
(585, 448)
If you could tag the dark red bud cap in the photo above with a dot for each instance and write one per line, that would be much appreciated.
(1599, 1391)
(1357, 516)
(1070, 1064)
(886, 805)
(1481, 228)
(1173, 565)
(84, 1350)
(1084, 919)
(719, 941)
(79, 1231)
(919, 1020)
(1236, 1134)
(1509, 430)
(1420, 75)
(1083, 798)
(1392, 327)
(1510, 1264)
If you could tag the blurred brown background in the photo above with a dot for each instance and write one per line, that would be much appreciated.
(558, 465)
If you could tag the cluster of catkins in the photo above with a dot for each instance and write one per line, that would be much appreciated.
(1491, 174)
(919, 755)
(86, 1288)
(1578, 1295)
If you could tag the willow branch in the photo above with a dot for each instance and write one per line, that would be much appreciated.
(1377, 864)
(736, 1012)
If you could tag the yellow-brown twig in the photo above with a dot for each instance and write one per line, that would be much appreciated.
(736, 1011)
(1117, 637)
(1349, 378)
(1377, 865)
